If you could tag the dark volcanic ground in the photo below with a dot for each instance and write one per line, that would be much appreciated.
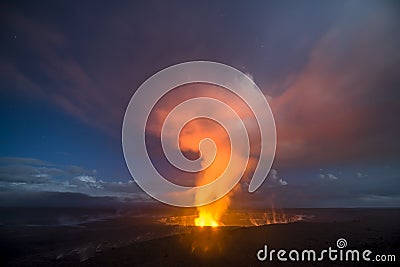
(377, 230)
(238, 247)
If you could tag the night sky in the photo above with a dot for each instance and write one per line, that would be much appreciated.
(329, 69)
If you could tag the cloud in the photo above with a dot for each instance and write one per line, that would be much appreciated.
(304, 191)
(333, 99)
(375, 199)
(361, 175)
(332, 177)
(274, 180)
(334, 69)
(20, 177)
(72, 88)
(88, 181)
(49, 188)
(282, 182)
(335, 107)
(328, 176)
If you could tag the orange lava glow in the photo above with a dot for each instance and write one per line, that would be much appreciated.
(190, 137)
(210, 215)
(232, 218)
(272, 217)
(205, 219)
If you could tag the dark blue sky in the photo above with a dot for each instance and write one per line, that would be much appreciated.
(331, 70)
(45, 132)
